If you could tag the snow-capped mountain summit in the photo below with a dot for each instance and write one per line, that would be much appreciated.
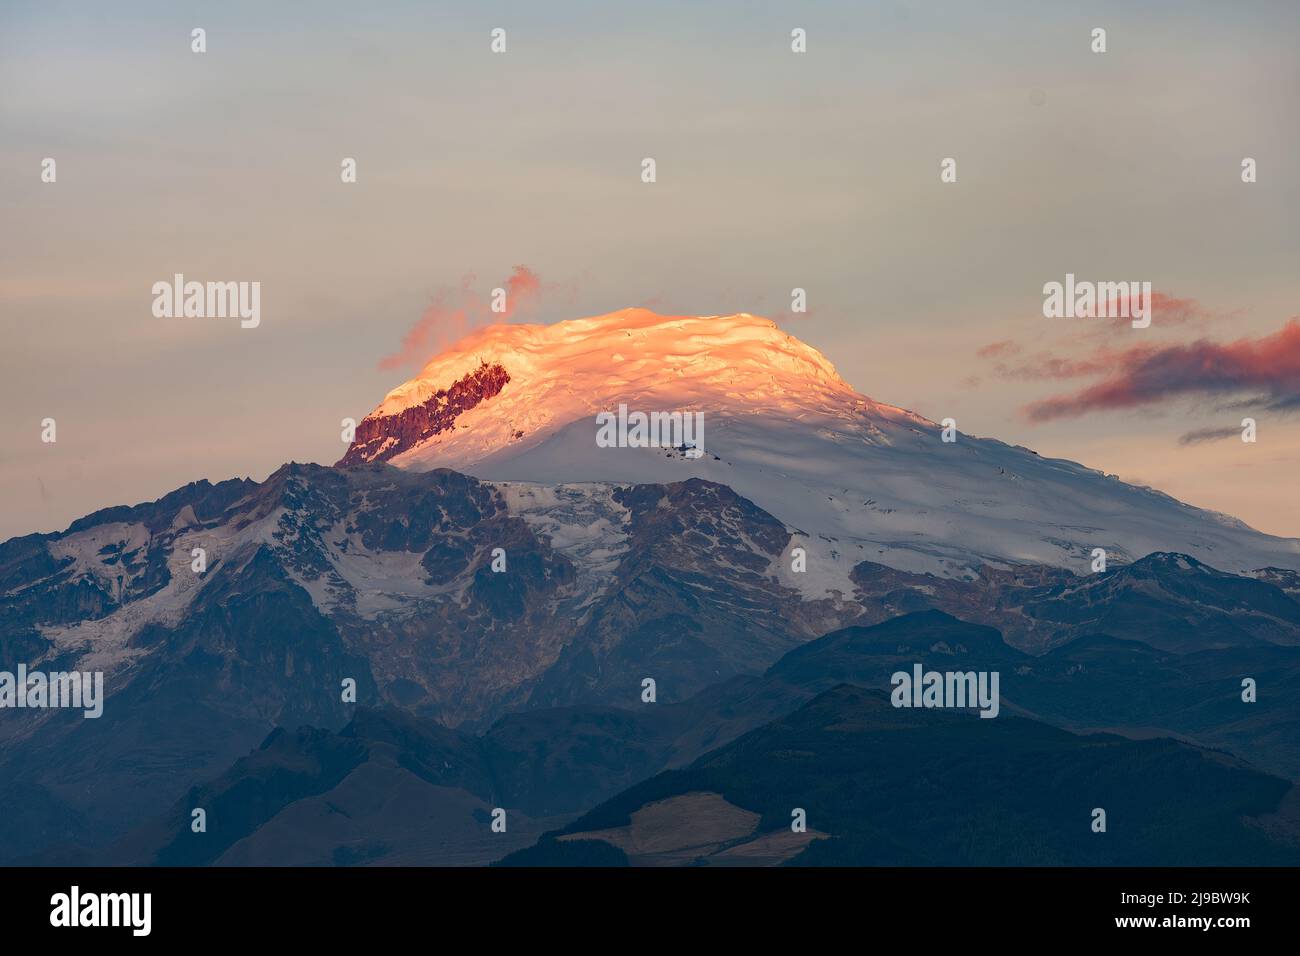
(857, 479)
(513, 386)
(539, 595)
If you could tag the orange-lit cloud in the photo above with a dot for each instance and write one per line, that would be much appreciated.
(522, 288)
(453, 313)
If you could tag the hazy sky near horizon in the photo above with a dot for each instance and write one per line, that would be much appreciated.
(775, 170)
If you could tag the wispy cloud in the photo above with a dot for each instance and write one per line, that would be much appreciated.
(1203, 435)
(1142, 375)
(1048, 367)
(1094, 339)
(1168, 312)
(999, 349)
(454, 312)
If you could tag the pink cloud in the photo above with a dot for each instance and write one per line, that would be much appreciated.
(1268, 367)
(999, 349)
(522, 288)
(1047, 366)
(452, 314)
(1167, 312)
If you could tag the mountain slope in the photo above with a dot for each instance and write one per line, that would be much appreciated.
(434, 592)
(297, 800)
(385, 577)
(858, 479)
(885, 786)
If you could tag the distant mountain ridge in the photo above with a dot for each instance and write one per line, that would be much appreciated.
(318, 798)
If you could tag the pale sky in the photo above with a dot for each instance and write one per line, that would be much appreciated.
(775, 170)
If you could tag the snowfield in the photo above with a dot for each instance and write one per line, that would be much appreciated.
(854, 478)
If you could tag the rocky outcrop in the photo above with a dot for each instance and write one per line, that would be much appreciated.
(379, 438)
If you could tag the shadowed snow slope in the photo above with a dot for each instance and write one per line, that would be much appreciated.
(857, 479)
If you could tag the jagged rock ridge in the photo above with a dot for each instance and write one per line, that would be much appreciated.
(383, 437)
